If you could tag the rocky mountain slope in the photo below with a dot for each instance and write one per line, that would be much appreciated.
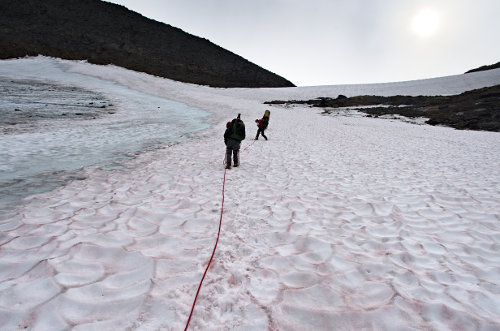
(105, 33)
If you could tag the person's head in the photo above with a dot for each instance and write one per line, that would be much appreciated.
(256, 121)
(239, 115)
(228, 124)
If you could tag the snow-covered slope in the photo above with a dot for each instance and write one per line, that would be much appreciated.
(334, 223)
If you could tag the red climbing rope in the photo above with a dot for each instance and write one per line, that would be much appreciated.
(216, 242)
(244, 149)
(213, 252)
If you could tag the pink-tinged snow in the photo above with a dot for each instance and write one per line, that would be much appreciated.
(335, 223)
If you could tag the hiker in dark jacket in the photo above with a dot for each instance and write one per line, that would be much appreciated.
(233, 136)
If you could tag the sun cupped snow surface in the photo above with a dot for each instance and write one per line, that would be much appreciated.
(334, 223)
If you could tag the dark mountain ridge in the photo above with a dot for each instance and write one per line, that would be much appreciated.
(106, 33)
(485, 67)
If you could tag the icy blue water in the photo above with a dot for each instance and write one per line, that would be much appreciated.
(49, 132)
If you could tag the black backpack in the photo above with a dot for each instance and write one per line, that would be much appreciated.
(237, 130)
(265, 122)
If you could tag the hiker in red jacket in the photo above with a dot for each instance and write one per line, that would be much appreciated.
(262, 125)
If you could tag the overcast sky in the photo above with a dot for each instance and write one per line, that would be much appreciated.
(326, 42)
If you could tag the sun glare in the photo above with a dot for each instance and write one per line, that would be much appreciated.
(425, 22)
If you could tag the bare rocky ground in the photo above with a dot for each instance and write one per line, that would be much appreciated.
(472, 110)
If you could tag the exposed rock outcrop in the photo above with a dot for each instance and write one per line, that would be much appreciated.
(484, 68)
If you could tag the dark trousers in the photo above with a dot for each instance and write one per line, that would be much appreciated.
(232, 149)
(260, 131)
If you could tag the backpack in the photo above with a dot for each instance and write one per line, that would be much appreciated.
(237, 130)
(265, 122)
(265, 119)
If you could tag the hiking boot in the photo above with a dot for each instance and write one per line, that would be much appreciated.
(228, 167)
(236, 164)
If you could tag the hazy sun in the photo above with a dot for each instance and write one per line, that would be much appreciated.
(425, 22)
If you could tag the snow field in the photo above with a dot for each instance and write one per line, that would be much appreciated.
(352, 221)
(334, 223)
